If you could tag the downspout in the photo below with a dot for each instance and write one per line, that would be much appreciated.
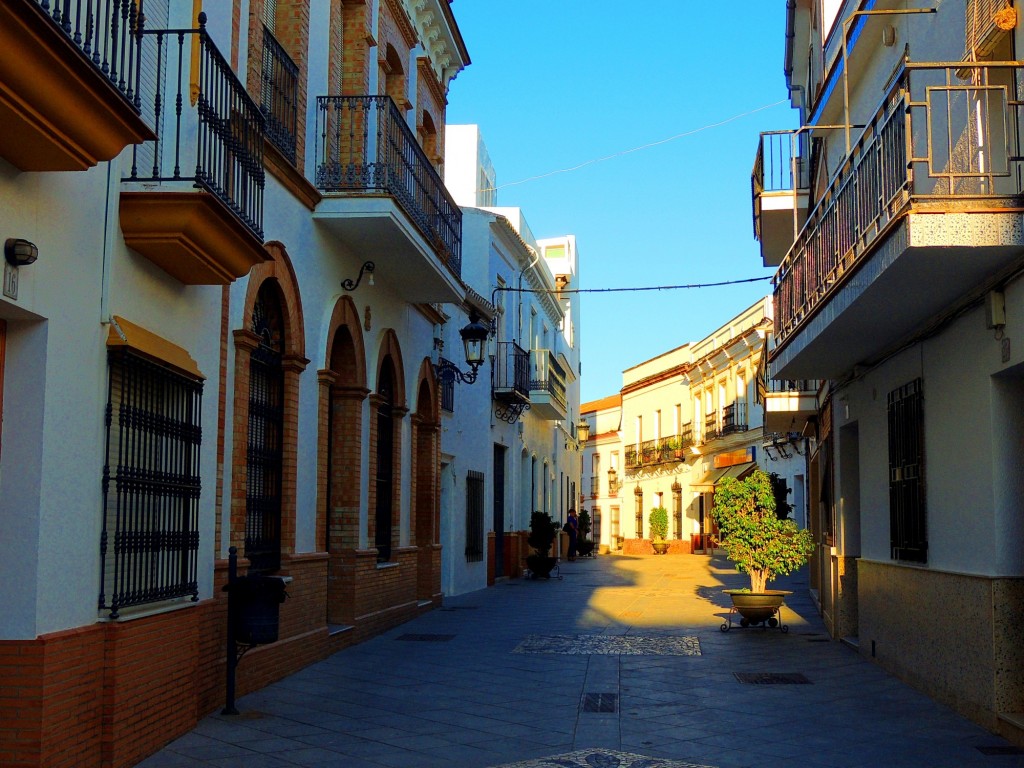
(522, 272)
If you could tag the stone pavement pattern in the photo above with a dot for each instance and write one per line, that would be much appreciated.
(620, 663)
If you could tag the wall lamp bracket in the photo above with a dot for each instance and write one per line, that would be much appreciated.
(367, 268)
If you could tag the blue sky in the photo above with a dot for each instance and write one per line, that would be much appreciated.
(557, 83)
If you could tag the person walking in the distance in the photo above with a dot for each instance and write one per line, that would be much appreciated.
(572, 527)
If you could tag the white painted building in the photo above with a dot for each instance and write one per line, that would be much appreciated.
(509, 440)
(218, 313)
(683, 421)
(896, 226)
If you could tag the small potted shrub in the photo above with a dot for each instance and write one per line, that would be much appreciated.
(658, 522)
(584, 546)
(758, 541)
(542, 535)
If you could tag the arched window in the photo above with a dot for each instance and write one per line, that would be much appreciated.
(385, 460)
(265, 443)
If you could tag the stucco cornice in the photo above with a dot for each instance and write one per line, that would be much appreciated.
(439, 36)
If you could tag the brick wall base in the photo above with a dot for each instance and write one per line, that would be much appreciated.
(110, 694)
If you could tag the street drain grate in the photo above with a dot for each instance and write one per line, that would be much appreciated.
(993, 751)
(425, 638)
(772, 678)
(600, 702)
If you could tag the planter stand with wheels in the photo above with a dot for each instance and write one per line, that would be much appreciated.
(756, 609)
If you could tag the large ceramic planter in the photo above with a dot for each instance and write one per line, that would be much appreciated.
(757, 607)
(660, 547)
(540, 566)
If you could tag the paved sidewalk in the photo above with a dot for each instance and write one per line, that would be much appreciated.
(620, 658)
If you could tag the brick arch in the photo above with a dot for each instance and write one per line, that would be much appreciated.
(389, 347)
(346, 316)
(426, 491)
(340, 464)
(278, 271)
(279, 267)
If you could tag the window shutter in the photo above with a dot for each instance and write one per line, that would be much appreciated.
(986, 22)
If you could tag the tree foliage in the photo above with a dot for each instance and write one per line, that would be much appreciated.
(657, 519)
(759, 543)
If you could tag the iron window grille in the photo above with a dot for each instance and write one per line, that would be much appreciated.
(151, 484)
(447, 388)
(264, 450)
(474, 517)
(385, 463)
(907, 519)
(279, 95)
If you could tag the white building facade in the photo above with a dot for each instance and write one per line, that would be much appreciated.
(216, 331)
(682, 422)
(904, 302)
(508, 441)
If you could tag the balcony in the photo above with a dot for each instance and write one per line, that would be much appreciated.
(279, 96)
(788, 404)
(734, 418)
(665, 450)
(192, 202)
(779, 184)
(68, 83)
(873, 265)
(383, 196)
(548, 382)
(510, 377)
(595, 487)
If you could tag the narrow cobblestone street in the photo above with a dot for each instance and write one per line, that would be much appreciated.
(621, 657)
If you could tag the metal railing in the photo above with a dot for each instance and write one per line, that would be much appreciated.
(662, 450)
(107, 32)
(791, 385)
(365, 145)
(547, 375)
(511, 372)
(279, 95)
(595, 487)
(631, 457)
(776, 164)
(712, 426)
(945, 133)
(214, 137)
(734, 418)
(447, 384)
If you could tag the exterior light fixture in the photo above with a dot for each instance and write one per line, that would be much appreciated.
(368, 267)
(583, 430)
(20, 253)
(473, 337)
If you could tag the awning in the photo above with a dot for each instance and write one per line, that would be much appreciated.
(123, 333)
(715, 476)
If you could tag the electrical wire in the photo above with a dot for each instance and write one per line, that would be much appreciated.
(636, 149)
(641, 288)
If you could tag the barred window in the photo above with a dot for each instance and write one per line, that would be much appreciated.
(151, 484)
(474, 517)
(264, 450)
(907, 521)
(447, 382)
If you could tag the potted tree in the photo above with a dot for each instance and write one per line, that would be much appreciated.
(542, 535)
(758, 541)
(657, 519)
(584, 546)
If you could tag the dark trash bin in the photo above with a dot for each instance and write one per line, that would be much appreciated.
(255, 603)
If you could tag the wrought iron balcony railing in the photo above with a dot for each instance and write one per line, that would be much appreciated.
(945, 134)
(366, 146)
(279, 95)
(632, 457)
(777, 165)
(511, 372)
(547, 375)
(712, 427)
(595, 487)
(734, 418)
(213, 137)
(107, 31)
